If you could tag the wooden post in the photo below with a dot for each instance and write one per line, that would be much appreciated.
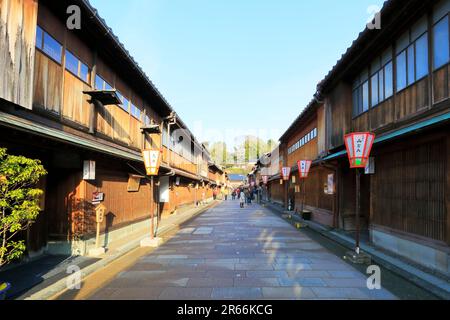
(358, 208)
(97, 237)
(303, 196)
(286, 193)
(152, 213)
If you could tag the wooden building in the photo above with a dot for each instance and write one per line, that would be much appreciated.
(394, 82)
(77, 100)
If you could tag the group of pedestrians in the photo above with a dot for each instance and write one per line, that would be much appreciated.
(244, 195)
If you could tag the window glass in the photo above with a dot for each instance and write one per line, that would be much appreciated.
(71, 63)
(39, 37)
(125, 104)
(84, 72)
(388, 81)
(120, 96)
(441, 43)
(411, 65)
(374, 91)
(381, 85)
(360, 98)
(365, 96)
(52, 48)
(401, 71)
(99, 82)
(422, 57)
(135, 112)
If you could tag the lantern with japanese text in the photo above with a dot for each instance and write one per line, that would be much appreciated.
(152, 161)
(358, 147)
(303, 168)
(286, 173)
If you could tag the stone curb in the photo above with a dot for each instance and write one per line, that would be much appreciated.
(60, 285)
(434, 285)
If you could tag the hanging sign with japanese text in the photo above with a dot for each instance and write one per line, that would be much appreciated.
(152, 160)
(303, 168)
(358, 147)
(286, 173)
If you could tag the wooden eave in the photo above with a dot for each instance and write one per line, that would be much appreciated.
(21, 124)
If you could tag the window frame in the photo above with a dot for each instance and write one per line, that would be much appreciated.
(363, 78)
(79, 67)
(132, 109)
(304, 140)
(41, 48)
(412, 44)
(434, 68)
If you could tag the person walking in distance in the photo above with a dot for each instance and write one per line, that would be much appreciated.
(225, 194)
(242, 199)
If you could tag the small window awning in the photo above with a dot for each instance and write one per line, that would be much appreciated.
(397, 133)
(152, 129)
(106, 97)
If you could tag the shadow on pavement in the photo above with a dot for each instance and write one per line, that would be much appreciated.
(31, 277)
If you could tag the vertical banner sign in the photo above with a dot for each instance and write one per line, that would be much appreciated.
(303, 168)
(265, 179)
(89, 170)
(152, 160)
(358, 147)
(286, 172)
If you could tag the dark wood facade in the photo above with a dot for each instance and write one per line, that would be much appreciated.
(45, 70)
(406, 203)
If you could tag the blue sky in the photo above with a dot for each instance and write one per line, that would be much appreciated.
(234, 67)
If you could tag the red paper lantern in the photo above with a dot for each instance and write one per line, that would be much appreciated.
(303, 168)
(358, 147)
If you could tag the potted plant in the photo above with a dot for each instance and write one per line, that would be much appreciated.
(19, 205)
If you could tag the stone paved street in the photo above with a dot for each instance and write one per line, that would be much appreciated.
(233, 253)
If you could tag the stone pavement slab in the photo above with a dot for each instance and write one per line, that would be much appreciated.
(233, 253)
